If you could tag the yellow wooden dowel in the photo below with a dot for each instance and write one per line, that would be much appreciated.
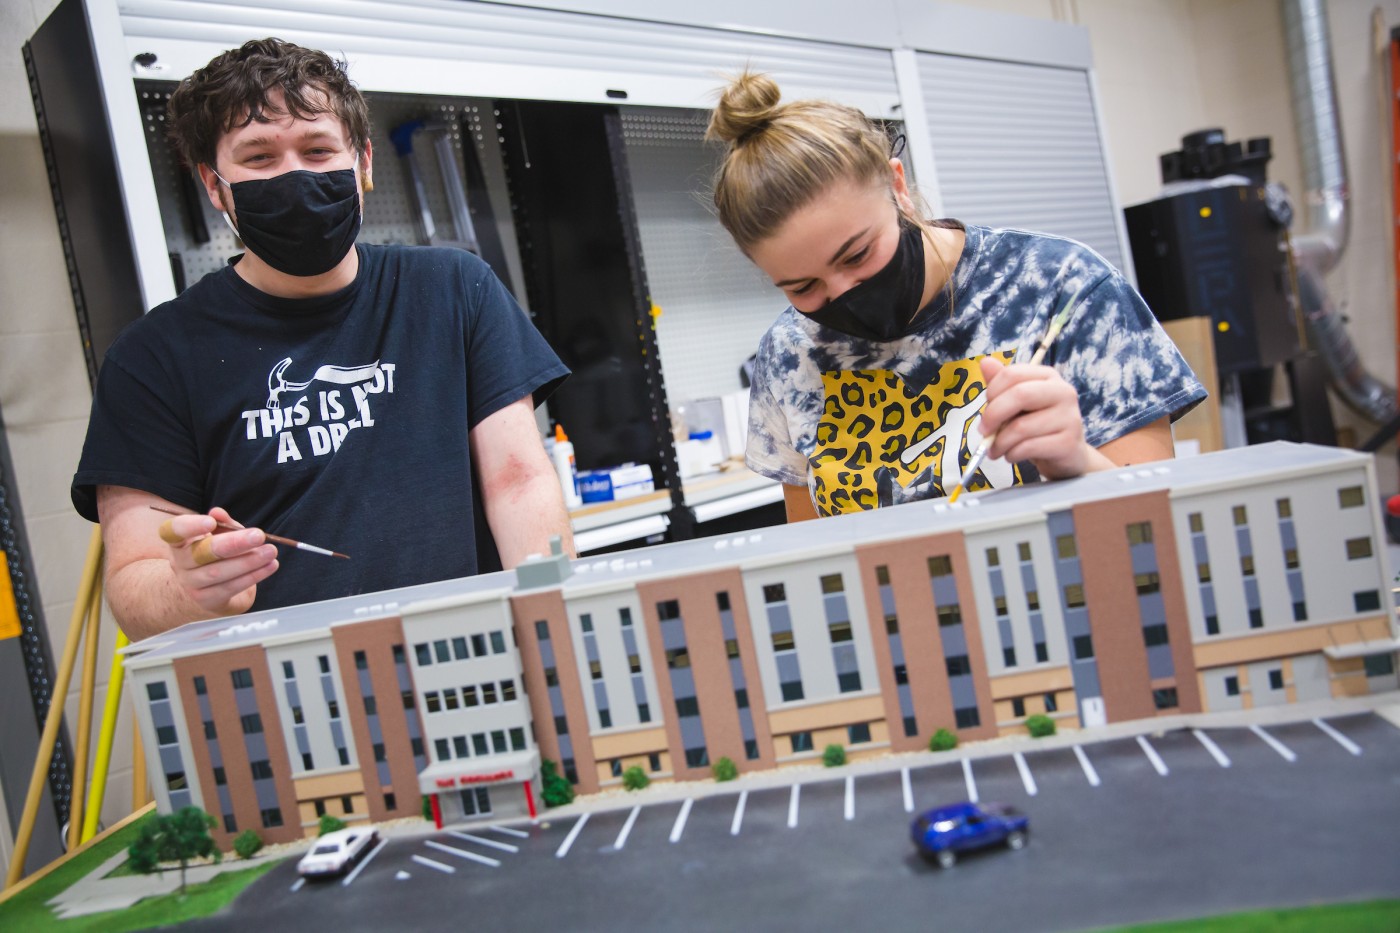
(82, 739)
(97, 790)
(91, 569)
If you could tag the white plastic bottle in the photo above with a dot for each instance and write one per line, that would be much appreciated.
(563, 455)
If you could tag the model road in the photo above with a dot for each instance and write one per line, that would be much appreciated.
(1185, 824)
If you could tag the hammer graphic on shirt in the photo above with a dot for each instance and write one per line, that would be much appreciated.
(336, 375)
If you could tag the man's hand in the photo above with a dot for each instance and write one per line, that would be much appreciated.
(155, 579)
(212, 564)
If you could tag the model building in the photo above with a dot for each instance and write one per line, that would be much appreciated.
(1250, 577)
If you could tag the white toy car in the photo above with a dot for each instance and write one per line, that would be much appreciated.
(333, 853)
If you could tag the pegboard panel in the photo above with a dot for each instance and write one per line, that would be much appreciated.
(390, 216)
(715, 304)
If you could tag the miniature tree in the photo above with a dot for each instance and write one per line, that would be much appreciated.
(427, 807)
(1040, 726)
(557, 789)
(634, 778)
(834, 756)
(943, 741)
(725, 769)
(173, 837)
(330, 824)
(247, 843)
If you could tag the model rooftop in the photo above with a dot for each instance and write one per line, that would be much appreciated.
(781, 543)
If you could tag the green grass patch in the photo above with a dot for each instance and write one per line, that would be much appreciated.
(29, 909)
(1364, 917)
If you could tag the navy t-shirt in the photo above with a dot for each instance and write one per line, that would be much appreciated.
(339, 420)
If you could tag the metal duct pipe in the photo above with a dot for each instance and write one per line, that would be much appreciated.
(1309, 46)
(1318, 249)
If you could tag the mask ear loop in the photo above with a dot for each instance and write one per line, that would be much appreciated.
(224, 214)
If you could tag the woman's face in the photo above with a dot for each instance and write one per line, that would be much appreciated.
(842, 237)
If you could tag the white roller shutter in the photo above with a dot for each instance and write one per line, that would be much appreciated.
(1018, 145)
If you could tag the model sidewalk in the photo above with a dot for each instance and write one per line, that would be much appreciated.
(97, 893)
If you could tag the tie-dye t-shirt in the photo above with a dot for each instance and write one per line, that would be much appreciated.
(866, 423)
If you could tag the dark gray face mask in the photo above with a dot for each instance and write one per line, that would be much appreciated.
(300, 222)
(882, 307)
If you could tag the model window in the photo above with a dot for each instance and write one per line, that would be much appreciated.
(165, 735)
(424, 655)
(722, 601)
(1203, 571)
(324, 662)
(687, 706)
(1083, 647)
(1197, 525)
(1033, 600)
(679, 658)
(595, 669)
(801, 742)
(271, 818)
(668, 609)
(848, 683)
(459, 746)
(252, 723)
(624, 616)
(1018, 707)
(941, 566)
(741, 698)
(379, 753)
(882, 575)
(156, 691)
(1367, 601)
(440, 746)
(731, 647)
(1212, 625)
(993, 558)
(361, 662)
(841, 631)
(967, 717)
(832, 583)
(958, 665)
(1379, 665)
(634, 663)
(200, 688)
(1165, 698)
(219, 777)
(542, 630)
(441, 651)
(1154, 635)
(517, 739)
(1240, 515)
(1042, 652)
(791, 690)
(1051, 704)
(1285, 508)
(949, 615)
(1300, 611)
(782, 641)
(478, 646)
(498, 643)
(1276, 679)
(1000, 604)
(551, 677)
(859, 733)
(1247, 565)
(450, 699)
(297, 716)
(901, 674)
(459, 648)
(892, 624)
(407, 698)
(774, 593)
(507, 691)
(432, 701)
(1358, 548)
(1074, 595)
(604, 719)
(488, 694)
(242, 678)
(479, 743)
(1232, 686)
(1256, 617)
(1147, 583)
(1008, 657)
(498, 741)
(1023, 551)
(262, 770)
(1065, 547)
(1351, 497)
(1140, 533)
(287, 671)
(398, 654)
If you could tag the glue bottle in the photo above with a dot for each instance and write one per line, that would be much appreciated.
(563, 455)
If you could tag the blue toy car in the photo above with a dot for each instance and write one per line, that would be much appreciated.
(942, 833)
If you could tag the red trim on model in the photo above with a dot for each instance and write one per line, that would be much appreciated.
(437, 811)
(530, 799)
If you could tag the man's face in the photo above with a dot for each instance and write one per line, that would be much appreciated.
(286, 144)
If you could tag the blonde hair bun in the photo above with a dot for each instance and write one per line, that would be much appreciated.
(747, 105)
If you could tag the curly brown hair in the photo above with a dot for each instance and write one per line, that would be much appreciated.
(232, 91)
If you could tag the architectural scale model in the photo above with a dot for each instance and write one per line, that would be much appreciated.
(1244, 578)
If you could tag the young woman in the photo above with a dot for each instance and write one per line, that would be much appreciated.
(898, 353)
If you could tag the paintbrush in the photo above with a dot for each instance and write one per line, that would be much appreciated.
(1057, 324)
(167, 534)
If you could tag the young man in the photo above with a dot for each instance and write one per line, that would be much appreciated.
(343, 395)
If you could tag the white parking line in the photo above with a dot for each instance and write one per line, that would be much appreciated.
(738, 813)
(463, 853)
(1088, 767)
(680, 819)
(1152, 755)
(1025, 770)
(792, 805)
(1211, 747)
(967, 778)
(627, 827)
(481, 840)
(507, 831)
(1342, 740)
(850, 796)
(301, 883)
(569, 839)
(363, 862)
(1275, 744)
(908, 791)
(431, 864)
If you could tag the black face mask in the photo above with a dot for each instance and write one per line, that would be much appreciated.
(883, 306)
(301, 223)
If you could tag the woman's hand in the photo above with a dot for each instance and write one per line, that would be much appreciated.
(1035, 416)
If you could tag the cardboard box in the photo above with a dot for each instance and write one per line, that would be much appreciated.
(622, 482)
